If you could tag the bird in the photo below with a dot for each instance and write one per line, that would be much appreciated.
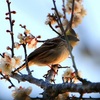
(52, 51)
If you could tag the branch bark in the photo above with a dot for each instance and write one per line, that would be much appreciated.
(52, 90)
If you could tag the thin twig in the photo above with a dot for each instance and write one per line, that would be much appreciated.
(72, 14)
(11, 27)
(41, 41)
(54, 30)
(64, 12)
(26, 60)
(71, 19)
(70, 26)
(7, 78)
(1, 55)
(58, 20)
(69, 46)
(63, 67)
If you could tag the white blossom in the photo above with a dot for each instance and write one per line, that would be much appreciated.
(21, 93)
(7, 63)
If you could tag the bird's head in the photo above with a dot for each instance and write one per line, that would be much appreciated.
(72, 37)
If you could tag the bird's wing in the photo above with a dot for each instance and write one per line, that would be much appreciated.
(46, 47)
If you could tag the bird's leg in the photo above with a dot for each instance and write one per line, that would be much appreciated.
(50, 76)
(54, 68)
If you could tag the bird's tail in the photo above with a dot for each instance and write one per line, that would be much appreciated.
(20, 68)
(30, 63)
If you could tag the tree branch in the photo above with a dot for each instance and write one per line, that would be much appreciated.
(52, 90)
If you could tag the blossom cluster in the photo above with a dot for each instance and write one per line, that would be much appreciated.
(7, 63)
(79, 13)
(26, 38)
(70, 76)
(22, 93)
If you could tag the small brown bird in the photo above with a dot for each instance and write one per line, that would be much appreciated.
(52, 51)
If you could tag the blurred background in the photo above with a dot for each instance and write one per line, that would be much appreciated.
(33, 15)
